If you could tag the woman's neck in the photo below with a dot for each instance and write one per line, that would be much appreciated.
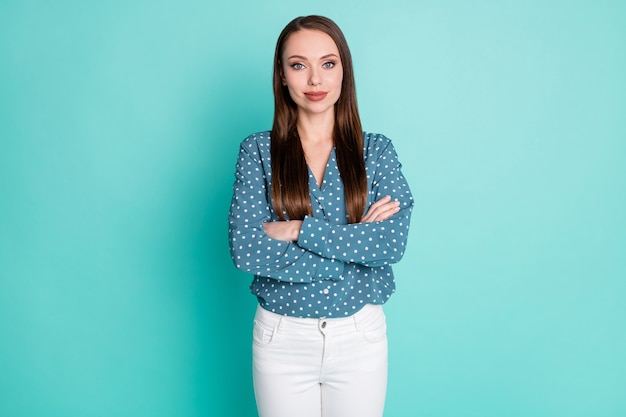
(316, 128)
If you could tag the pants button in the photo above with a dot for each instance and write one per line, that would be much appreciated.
(323, 324)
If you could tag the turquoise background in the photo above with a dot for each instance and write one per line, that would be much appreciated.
(119, 129)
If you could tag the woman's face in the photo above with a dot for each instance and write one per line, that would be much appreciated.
(312, 71)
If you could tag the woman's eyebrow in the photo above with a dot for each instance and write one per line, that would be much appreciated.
(306, 59)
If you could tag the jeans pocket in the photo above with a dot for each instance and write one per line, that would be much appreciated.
(375, 335)
(263, 334)
(375, 329)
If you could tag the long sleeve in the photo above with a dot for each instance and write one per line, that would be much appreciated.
(252, 250)
(334, 268)
(370, 244)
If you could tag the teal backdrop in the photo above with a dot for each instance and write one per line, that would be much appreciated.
(119, 128)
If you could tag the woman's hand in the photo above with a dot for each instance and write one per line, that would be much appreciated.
(381, 210)
(283, 230)
(289, 231)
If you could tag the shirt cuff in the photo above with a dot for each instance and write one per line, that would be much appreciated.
(314, 237)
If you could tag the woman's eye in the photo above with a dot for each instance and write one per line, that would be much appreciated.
(328, 64)
(297, 66)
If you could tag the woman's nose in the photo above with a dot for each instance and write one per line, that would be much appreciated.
(314, 78)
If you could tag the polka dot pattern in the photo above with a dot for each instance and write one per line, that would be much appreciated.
(334, 268)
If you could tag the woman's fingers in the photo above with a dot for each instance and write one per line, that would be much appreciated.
(376, 207)
(381, 210)
(385, 211)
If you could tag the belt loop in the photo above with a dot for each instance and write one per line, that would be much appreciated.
(280, 324)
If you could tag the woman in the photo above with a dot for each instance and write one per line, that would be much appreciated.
(320, 210)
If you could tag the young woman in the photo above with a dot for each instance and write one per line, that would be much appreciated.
(320, 210)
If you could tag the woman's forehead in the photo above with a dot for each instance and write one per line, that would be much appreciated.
(309, 44)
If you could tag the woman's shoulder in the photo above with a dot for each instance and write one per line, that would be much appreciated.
(373, 142)
(377, 148)
(257, 144)
(259, 138)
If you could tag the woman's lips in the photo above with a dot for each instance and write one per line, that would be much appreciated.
(315, 95)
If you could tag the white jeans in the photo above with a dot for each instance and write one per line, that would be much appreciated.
(320, 367)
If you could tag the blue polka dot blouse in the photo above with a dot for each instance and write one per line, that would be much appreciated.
(334, 268)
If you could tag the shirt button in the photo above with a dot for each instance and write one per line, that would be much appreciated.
(326, 291)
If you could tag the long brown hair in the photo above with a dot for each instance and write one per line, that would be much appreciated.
(290, 183)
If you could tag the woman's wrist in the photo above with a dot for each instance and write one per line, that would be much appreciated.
(296, 225)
